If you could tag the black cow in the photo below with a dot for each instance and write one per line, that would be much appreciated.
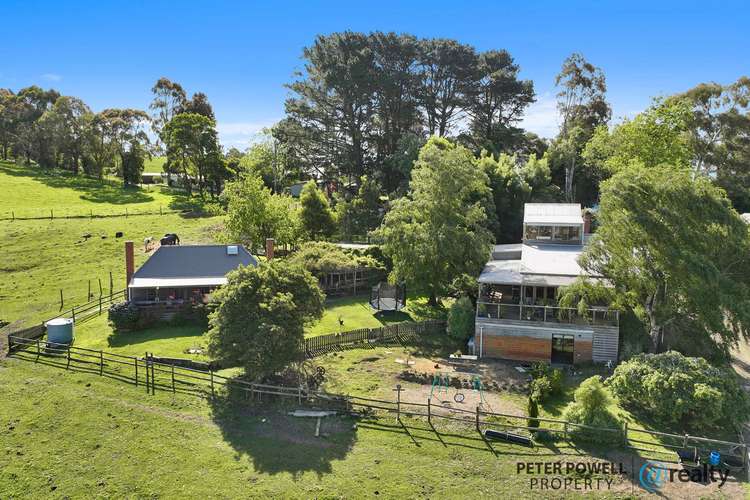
(170, 239)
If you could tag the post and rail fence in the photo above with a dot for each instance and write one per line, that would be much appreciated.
(78, 314)
(152, 374)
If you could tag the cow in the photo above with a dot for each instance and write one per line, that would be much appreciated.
(170, 239)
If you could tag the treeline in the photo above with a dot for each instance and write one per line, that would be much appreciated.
(366, 103)
(57, 131)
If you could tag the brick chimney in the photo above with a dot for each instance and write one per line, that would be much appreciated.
(586, 222)
(269, 248)
(129, 262)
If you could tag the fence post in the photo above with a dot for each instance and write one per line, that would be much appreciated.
(51, 214)
(398, 402)
(211, 371)
(153, 375)
(38, 349)
(101, 363)
(61, 299)
(477, 421)
(73, 312)
(429, 411)
(625, 435)
(145, 364)
(68, 365)
(173, 389)
(110, 283)
(135, 362)
(685, 441)
(565, 430)
(100, 304)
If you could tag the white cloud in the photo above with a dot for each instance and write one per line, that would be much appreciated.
(542, 117)
(52, 77)
(241, 134)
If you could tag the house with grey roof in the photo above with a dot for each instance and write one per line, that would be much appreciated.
(517, 314)
(183, 273)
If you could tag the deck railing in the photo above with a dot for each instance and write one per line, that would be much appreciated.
(548, 314)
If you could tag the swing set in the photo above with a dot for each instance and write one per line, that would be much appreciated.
(442, 383)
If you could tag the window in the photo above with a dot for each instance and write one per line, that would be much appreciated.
(545, 233)
(532, 232)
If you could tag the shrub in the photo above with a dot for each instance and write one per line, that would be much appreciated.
(676, 390)
(321, 257)
(540, 389)
(532, 408)
(547, 381)
(461, 319)
(123, 316)
(591, 407)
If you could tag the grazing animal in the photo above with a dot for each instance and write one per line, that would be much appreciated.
(170, 239)
(147, 242)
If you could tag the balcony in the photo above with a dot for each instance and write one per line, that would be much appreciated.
(548, 314)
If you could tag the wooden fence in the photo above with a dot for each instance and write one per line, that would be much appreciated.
(154, 375)
(394, 333)
(78, 314)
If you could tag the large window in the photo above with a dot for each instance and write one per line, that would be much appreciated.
(563, 234)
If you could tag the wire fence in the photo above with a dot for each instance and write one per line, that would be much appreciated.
(155, 375)
(52, 214)
(79, 314)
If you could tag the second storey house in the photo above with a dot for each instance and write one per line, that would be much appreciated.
(517, 313)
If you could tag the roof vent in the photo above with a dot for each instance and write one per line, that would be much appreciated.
(232, 250)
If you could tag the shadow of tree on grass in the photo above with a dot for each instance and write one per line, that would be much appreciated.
(276, 442)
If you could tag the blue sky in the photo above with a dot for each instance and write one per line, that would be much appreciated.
(241, 53)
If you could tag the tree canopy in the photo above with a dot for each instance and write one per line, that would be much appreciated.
(260, 318)
(676, 252)
(439, 230)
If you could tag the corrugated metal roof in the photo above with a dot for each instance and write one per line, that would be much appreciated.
(541, 265)
(552, 213)
(192, 262)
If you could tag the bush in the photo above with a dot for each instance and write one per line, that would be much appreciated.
(547, 381)
(532, 408)
(124, 316)
(591, 407)
(676, 390)
(321, 257)
(461, 319)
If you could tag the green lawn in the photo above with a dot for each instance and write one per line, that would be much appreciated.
(29, 191)
(155, 164)
(41, 257)
(71, 434)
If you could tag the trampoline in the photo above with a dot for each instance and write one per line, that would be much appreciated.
(387, 297)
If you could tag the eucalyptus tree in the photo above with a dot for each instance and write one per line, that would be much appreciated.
(719, 131)
(169, 99)
(125, 130)
(192, 148)
(582, 104)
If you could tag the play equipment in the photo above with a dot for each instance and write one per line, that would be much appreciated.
(476, 384)
(387, 297)
(441, 382)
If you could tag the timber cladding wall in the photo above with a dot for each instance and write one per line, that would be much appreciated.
(581, 350)
(517, 347)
